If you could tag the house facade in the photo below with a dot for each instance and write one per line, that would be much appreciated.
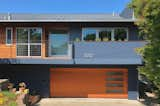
(72, 55)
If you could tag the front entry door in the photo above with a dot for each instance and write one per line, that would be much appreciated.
(58, 44)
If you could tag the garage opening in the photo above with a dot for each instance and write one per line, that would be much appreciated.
(88, 83)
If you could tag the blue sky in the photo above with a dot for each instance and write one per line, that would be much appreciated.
(62, 6)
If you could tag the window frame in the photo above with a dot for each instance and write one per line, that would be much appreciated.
(29, 44)
(83, 36)
(112, 29)
(69, 54)
(9, 28)
(126, 29)
(50, 55)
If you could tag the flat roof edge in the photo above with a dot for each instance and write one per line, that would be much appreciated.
(68, 20)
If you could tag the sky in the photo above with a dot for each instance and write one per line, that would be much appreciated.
(62, 6)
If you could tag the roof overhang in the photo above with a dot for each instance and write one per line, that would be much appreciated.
(12, 21)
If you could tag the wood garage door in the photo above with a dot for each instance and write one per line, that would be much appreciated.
(88, 83)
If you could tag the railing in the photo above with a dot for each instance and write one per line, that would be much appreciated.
(80, 53)
(43, 49)
(34, 49)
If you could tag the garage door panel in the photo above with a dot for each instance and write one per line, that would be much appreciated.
(85, 82)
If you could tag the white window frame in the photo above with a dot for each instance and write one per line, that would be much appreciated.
(9, 28)
(112, 29)
(29, 44)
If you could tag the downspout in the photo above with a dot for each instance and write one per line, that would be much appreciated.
(73, 53)
(133, 15)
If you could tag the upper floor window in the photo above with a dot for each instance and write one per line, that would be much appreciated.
(104, 34)
(29, 41)
(89, 34)
(9, 34)
(120, 34)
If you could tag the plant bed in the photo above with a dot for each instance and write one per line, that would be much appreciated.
(8, 98)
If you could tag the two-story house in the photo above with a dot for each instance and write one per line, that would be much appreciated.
(72, 55)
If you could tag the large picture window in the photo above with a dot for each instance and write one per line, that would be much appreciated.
(105, 34)
(29, 41)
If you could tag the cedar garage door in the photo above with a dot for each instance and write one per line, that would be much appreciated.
(88, 83)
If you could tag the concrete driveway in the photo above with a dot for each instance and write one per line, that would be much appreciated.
(87, 102)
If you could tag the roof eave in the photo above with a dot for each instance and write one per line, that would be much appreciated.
(127, 20)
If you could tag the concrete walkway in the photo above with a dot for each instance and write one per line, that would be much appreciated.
(87, 102)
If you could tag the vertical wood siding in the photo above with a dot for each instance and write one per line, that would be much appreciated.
(7, 51)
(88, 83)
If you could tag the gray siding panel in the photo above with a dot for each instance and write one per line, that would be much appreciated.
(113, 61)
(107, 53)
(132, 95)
(35, 61)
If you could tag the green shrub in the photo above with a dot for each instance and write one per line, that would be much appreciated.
(98, 39)
(77, 40)
(12, 103)
(9, 98)
(105, 39)
(9, 95)
(90, 37)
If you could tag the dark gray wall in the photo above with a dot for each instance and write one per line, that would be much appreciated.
(75, 32)
(133, 84)
(132, 79)
(76, 28)
(133, 33)
(35, 76)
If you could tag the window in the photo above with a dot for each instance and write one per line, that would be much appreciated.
(58, 43)
(9, 33)
(35, 35)
(22, 50)
(120, 34)
(89, 34)
(105, 34)
(29, 41)
(117, 81)
(22, 36)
